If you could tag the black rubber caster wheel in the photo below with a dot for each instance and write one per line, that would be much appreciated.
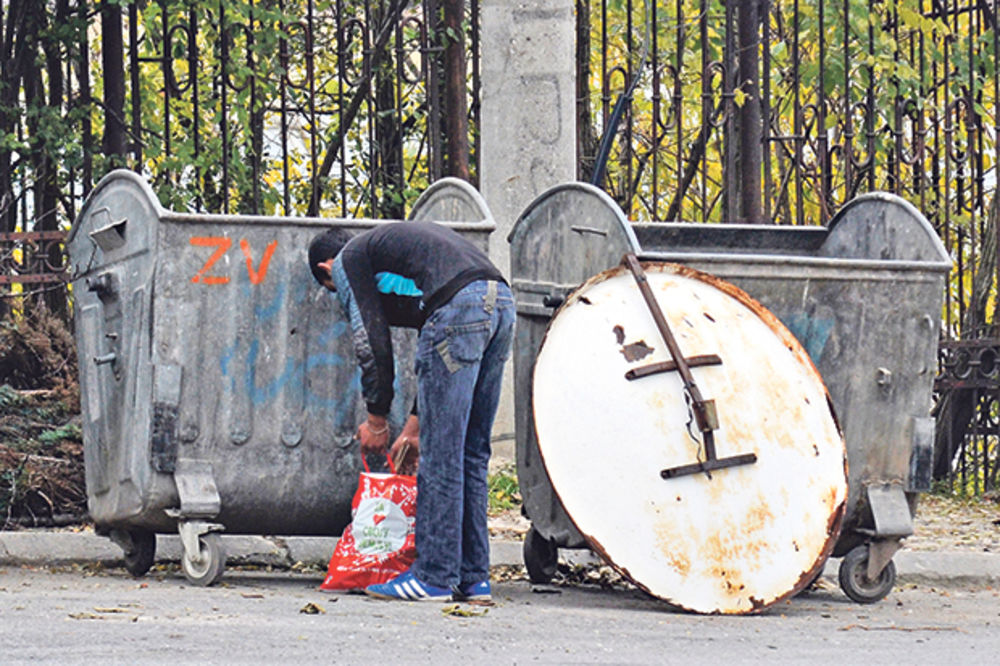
(540, 557)
(212, 561)
(139, 557)
(854, 578)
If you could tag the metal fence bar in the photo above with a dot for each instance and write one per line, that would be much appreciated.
(969, 372)
(26, 259)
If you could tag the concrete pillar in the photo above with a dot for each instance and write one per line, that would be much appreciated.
(528, 126)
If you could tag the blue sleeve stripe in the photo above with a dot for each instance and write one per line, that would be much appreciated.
(391, 283)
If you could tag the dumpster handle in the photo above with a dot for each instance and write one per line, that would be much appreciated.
(704, 410)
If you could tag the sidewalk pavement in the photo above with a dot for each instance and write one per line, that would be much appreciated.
(951, 568)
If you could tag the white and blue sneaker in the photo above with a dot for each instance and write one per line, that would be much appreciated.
(475, 592)
(408, 587)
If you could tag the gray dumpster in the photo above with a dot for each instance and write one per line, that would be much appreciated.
(863, 296)
(218, 382)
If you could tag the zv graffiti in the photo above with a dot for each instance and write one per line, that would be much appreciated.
(222, 245)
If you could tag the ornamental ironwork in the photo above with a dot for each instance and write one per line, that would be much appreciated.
(35, 260)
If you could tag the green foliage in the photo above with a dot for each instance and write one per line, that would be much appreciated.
(221, 86)
(892, 72)
(69, 431)
(9, 397)
(504, 492)
(40, 138)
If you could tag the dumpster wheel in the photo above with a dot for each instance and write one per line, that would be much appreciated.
(854, 580)
(140, 557)
(138, 548)
(540, 557)
(212, 556)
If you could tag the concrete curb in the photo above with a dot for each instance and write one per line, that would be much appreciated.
(44, 548)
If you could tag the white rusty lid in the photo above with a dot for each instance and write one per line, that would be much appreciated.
(748, 536)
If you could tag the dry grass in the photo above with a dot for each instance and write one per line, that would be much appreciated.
(37, 352)
(947, 523)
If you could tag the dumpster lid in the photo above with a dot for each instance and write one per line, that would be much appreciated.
(733, 540)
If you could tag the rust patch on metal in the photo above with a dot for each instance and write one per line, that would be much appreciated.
(679, 562)
(833, 525)
(666, 540)
(636, 351)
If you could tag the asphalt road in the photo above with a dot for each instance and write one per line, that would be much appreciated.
(72, 616)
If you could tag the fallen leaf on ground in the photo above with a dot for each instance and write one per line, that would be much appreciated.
(312, 609)
(456, 610)
(898, 628)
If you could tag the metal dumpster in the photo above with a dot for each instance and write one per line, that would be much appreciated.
(863, 296)
(218, 382)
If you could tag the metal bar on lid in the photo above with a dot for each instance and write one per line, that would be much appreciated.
(671, 366)
(704, 410)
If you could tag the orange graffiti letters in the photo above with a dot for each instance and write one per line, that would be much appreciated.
(222, 245)
(257, 276)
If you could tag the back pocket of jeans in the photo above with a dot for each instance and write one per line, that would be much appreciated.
(463, 344)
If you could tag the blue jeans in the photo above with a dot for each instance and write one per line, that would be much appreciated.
(460, 360)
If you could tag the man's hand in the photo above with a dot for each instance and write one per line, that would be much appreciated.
(374, 435)
(410, 437)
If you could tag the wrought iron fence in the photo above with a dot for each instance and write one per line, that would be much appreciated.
(322, 107)
(780, 112)
(968, 452)
(252, 105)
(291, 106)
(34, 260)
(771, 111)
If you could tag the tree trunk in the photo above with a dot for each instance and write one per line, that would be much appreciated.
(387, 158)
(113, 61)
(348, 115)
(37, 155)
(456, 112)
(586, 138)
(15, 51)
(748, 115)
(82, 57)
(47, 177)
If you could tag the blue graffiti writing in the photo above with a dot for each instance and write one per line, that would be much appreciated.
(812, 332)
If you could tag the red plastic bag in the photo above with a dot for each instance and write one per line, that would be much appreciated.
(379, 543)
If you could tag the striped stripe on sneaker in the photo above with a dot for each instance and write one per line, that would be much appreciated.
(474, 592)
(408, 587)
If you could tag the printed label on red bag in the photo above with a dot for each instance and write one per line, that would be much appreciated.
(379, 526)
